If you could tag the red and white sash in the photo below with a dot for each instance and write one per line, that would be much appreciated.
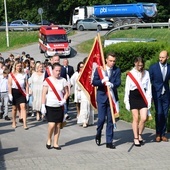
(18, 85)
(114, 102)
(139, 86)
(59, 97)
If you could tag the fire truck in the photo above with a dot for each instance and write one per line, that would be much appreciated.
(53, 41)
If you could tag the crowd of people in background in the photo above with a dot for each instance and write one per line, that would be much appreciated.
(46, 87)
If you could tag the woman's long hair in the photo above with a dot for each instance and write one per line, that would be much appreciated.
(14, 67)
(78, 66)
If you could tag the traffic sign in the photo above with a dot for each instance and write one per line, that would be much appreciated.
(40, 11)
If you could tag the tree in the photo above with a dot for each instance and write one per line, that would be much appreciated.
(60, 11)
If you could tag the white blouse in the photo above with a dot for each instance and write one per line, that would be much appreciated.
(143, 79)
(59, 84)
(77, 89)
(21, 78)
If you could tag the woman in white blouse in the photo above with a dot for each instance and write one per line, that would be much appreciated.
(138, 97)
(18, 95)
(52, 105)
(77, 89)
(36, 84)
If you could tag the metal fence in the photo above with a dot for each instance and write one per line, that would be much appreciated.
(32, 28)
(140, 25)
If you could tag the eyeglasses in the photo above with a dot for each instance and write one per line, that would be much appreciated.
(81, 66)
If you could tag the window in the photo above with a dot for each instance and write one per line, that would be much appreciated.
(56, 38)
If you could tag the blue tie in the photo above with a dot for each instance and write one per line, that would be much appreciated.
(163, 77)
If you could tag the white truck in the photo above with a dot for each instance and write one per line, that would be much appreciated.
(120, 14)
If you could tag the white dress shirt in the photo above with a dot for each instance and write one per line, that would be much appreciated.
(3, 84)
(143, 79)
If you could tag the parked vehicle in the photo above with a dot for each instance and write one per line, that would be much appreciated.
(22, 25)
(44, 22)
(94, 23)
(53, 40)
(3, 26)
(121, 14)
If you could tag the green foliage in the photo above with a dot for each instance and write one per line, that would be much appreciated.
(18, 39)
(60, 11)
(128, 51)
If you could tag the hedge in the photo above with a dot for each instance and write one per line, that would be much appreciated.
(127, 51)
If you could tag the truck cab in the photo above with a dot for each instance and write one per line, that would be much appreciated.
(53, 41)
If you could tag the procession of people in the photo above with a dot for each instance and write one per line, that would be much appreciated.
(46, 88)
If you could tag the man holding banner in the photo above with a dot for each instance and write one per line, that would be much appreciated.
(107, 79)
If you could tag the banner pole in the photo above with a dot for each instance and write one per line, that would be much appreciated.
(108, 90)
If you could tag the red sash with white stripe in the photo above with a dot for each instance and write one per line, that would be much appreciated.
(53, 88)
(18, 85)
(138, 86)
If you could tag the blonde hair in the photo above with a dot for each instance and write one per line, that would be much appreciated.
(14, 67)
(37, 66)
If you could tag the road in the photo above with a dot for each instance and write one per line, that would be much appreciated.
(76, 39)
(25, 149)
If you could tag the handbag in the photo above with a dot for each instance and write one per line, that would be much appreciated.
(58, 97)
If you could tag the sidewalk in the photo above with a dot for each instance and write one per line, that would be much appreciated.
(25, 149)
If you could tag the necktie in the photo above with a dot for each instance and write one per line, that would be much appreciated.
(66, 69)
(163, 72)
(109, 72)
(163, 76)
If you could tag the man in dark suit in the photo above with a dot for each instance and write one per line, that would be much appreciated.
(112, 79)
(160, 76)
(48, 71)
(66, 72)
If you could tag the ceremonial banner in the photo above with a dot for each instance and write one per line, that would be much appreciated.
(94, 60)
(85, 79)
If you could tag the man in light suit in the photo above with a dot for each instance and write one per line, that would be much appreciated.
(112, 79)
(66, 72)
(160, 76)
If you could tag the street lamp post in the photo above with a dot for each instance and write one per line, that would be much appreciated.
(6, 21)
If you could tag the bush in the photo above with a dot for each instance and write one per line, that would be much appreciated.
(128, 51)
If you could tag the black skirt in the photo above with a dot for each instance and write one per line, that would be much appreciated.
(55, 114)
(135, 100)
(18, 97)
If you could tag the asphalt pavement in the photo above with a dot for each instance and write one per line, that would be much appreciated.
(26, 149)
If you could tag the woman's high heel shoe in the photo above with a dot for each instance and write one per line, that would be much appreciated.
(48, 146)
(135, 143)
(141, 140)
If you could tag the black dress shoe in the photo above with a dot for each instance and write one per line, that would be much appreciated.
(26, 128)
(137, 144)
(20, 120)
(48, 146)
(141, 142)
(1, 115)
(58, 147)
(7, 118)
(68, 118)
(110, 146)
(98, 140)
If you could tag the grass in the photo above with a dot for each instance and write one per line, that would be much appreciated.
(159, 35)
(19, 39)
